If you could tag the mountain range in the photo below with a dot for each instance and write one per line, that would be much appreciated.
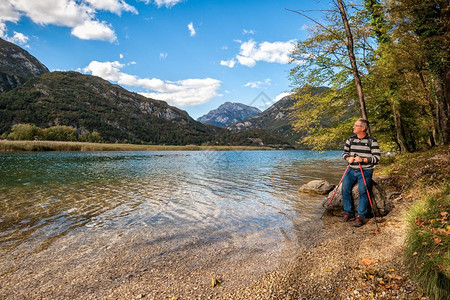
(229, 113)
(31, 94)
(275, 119)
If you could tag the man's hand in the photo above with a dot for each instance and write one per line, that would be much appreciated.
(358, 159)
(350, 159)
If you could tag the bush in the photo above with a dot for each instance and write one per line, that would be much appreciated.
(428, 243)
(25, 132)
(60, 133)
(93, 137)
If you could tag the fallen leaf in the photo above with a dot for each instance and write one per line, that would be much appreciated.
(419, 222)
(392, 286)
(415, 253)
(437, 240)
(395, 276)
(368, 261)
(391, 270)
(327, 270)
(440, 231)
(448, 227)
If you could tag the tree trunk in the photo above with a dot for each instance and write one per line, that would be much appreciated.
(442, 112)
(351, 55)
(400, 131)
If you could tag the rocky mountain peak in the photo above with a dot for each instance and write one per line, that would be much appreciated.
(228, 113)
(16, 66)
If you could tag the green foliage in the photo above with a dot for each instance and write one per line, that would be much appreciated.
(93, 137)
(325, 117)
(428, 243)
(400, 47)
(28, 132)
(322, 59)
(60, 133)
(25, 132)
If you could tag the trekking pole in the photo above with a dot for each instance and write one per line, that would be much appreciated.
(335, 190)
(368, 195)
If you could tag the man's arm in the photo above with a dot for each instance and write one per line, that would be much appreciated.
(346, 153)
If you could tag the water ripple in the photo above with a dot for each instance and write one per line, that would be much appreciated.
(45, 197)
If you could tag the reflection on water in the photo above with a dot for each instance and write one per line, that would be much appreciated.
(47, 196)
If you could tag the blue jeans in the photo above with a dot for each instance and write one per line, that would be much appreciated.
(349, 180)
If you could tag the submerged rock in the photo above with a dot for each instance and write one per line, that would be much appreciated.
(321, 187)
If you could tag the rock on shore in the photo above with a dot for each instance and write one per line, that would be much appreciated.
(321, 187)
(378, 196)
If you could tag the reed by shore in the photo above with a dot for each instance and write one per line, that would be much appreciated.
(27, 146)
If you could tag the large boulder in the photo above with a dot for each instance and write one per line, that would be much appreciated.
(321, 187)
(377, 195)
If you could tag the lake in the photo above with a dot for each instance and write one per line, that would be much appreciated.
(84, 222)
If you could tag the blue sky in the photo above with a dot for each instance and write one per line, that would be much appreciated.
(194, 54)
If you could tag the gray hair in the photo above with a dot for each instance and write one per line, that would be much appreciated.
(364, 123)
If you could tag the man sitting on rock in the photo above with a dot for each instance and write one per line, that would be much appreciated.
(359, 149)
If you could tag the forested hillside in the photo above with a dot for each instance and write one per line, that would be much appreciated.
(90, 103)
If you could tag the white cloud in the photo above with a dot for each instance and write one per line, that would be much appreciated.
(94, 30)
(114, 6)
(245, 31)
(258, 84)
(8, 13)
(306, 27)
(183, 92)
(78, 15)
(229, 63)
(281, 96)
(276, 52)
(19, 38)
(269, 103)
(166, 3)
(191, 29)
(121, 55)
(163, 55)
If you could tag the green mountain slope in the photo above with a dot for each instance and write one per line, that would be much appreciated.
(90, 103)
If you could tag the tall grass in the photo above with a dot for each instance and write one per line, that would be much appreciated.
(427, 246)
(19, 146)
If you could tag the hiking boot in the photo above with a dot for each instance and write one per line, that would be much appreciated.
(347, 217)
(358, 221)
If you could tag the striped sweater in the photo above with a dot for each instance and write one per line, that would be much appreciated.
(367, 147)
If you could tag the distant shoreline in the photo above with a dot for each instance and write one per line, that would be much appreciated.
(44, 146)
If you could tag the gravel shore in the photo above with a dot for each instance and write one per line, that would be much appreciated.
(338, 262)
(334, 260)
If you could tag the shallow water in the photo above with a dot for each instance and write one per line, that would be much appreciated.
(89, 201)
